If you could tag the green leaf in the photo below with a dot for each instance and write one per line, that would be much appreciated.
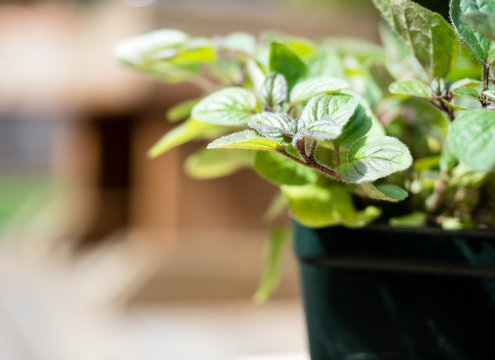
(279, 237)
(209, 164)
(362, 122)
(489, 94)
(281, 170)
(179, 135)
(181, 111)
(481, 22)
(471, 139)
(326, 62)
(246, 139)
(429, 37)
(411, 88)
(274, 90)
(374, 157)
(415, 219)
(314, 86)
(467, 92)
(325, 128)
(386, 192)
(483, 47)
(240, 41)
(277, 126)
(338, 106)
(230, 106)
(317, 206)
(135, 50)
(287, 63)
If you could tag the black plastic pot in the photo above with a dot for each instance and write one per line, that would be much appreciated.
(398, 294)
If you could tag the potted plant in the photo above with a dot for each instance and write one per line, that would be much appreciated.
(384, 156)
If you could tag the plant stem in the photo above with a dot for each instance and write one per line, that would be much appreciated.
(312, 164)
(486, 75)
(337, 154)
(441, 106)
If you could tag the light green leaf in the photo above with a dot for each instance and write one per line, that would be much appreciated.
(230, 106)
(489, 94)
(314, 86)
(240, 41)
(471, 139)
(429, 37)
(483, 47)
(411, 88)
(374, 157)
(209, 164)
(386, 192)
(325, 128)
(246, 139)
(179, 135)
(139, 48)
(281, 170)
(317, 206)
(338, 106)
(277, 126)
(255, 74)
(482, 22)
(325, 62)
(270, 279)
(467, 92)
(415, 219)
(181, 111)
(273, 92)
(287, 63)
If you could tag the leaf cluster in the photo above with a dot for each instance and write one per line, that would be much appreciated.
(350, 131)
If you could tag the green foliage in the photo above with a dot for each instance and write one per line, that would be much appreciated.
(426, 34)
(210, 164)
(374, 157)
(317, 206)
(230, 107)
(482, 46)
(325, 122)
(287, 63)
(472, 139)
(280, 170)
(279, 237)
(411, 88)
(246, 139)
(185, 132)
(314, 86)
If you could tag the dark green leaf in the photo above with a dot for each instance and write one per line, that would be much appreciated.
(287, 63)
(427, 35)
(386, 192)
(482, 46)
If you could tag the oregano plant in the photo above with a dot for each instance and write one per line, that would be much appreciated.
(351, 132)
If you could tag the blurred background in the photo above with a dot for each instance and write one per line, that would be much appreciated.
(104, 253)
